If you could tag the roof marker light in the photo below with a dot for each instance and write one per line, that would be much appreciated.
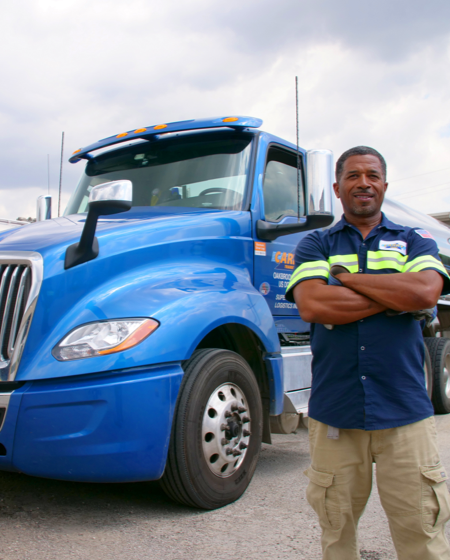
(140, 130)
(122, 134)
(160, 126)
(76, 151)
(230, 119)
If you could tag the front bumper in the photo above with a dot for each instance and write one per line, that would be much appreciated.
(99, 428)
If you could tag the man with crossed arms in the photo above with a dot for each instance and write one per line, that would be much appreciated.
(359, 284)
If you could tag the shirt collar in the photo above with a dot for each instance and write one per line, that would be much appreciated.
(385, 223)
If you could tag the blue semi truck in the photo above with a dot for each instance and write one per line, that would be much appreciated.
(145, 334)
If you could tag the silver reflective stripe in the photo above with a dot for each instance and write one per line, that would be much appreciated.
(17, 308)
(383, 259)
(344, 263)
(424, 264)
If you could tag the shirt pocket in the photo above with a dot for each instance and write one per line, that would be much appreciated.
(435, 497)
(322, 496)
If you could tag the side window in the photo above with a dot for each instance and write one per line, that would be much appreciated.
(280, 186)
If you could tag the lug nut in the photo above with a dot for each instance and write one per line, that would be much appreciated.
(224, 441)
(234, 407)
(243, 445)
(229, 451)
(246, 433)
(245, 420)
(236, 453)
(241, 409)
(223, 427)
(227, 413)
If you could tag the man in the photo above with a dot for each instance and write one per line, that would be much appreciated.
(359, 284)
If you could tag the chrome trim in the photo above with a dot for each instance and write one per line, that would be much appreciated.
(4, 403)
(6, 310)
(33, 260)
(296, 367)
(299, 400)
(17, 307)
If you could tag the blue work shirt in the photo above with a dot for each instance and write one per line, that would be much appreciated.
(368, 374)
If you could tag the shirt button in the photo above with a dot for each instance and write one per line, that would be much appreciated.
(362, 321)
(363, 377)
(363, 347)
(363, 244)
(360, 270)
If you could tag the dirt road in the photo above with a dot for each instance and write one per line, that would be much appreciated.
(50, 520)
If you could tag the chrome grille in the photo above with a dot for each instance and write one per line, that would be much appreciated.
(15, 285)
(21, 274)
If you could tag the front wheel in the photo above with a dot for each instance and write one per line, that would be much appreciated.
(216, 432)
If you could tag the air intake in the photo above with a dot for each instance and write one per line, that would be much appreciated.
(15, 285)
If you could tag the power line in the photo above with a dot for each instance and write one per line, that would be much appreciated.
(429, 189)
(421, 175)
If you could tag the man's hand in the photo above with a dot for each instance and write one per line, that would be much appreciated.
(318, 302)
(407, 291)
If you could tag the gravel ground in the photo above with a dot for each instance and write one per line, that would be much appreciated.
(51, 520)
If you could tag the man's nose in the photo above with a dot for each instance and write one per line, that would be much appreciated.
(364, 181)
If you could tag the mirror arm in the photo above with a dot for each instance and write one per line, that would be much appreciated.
(268, 231)
(87, 248)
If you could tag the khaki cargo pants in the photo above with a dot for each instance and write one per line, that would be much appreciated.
(411, 484)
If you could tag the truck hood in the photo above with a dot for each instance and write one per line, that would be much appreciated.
(52, 237)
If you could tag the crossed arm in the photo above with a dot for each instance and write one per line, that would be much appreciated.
(363, 295)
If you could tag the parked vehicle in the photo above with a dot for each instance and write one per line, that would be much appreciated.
(145, 334)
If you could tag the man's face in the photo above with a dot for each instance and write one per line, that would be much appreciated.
(362, 186)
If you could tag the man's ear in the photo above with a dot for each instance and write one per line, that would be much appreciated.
(385, 187)
(336, 189)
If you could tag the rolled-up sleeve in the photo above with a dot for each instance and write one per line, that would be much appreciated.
(310, 262)
(423, 254)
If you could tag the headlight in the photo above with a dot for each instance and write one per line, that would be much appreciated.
(105, 337)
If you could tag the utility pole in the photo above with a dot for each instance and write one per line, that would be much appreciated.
(60, 175)
(298, 154)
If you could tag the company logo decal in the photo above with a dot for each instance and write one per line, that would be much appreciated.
(264, 288)
(285, 261)
(260, 248)
(399, 246)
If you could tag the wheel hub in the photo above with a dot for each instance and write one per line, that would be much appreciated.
(226, 430)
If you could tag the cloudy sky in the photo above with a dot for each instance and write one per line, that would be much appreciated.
(373, 73)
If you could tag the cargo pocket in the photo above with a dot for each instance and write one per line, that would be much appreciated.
(322, 495)
(435, 498)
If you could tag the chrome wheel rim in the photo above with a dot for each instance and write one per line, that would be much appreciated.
(446, 376)
(226, 430)
(425, 371)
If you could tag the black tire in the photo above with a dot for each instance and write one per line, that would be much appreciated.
(439, 349)
(428, 371)
(191, 476)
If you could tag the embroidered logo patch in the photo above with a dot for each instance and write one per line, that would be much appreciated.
(424, 233)
(397, 245)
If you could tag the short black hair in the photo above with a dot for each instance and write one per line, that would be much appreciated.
(358, 151)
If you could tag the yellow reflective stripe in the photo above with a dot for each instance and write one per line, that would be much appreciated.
(421, 263)
(309, 270)
(378, 260)
(349, 261)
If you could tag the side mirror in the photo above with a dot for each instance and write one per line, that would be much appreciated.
(104, 200)
(43, 208)
(319, 181)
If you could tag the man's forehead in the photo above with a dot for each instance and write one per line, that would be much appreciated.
(358, 162)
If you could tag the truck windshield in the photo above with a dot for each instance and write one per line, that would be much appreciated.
(200, 171)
